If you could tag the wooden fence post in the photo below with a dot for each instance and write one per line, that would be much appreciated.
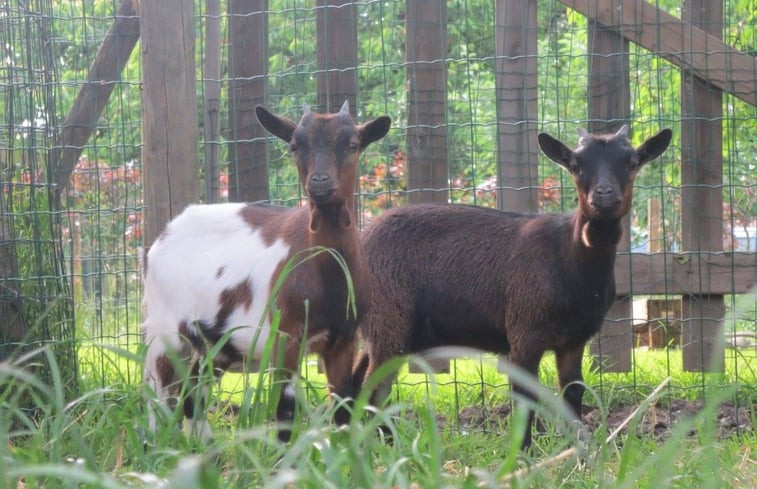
(609, 108)
(248, 64)
(426, 50)
(336, 47)
(516, 84)
(702, 194)
(169, 111)
(212, 104)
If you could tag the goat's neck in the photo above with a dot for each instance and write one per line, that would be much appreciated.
(336, 228)
(596, 237)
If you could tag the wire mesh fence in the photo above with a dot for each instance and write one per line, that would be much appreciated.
(468, 84)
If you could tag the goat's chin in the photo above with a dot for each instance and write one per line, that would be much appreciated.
(323, 197)
(606, 212)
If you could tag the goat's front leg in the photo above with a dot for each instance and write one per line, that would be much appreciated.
(529, 361)
(337, 360)
(284, 374)
(569, 376)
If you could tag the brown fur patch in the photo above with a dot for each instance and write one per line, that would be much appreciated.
(266, 219)
(165, 371)
(184, 331)
(238, 296)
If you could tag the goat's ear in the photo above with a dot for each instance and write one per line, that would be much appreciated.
(373, 130)
(555, 150)
(654, 146)
(279, 126)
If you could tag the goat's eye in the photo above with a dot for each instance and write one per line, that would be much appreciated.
(575, 170)
(293, 147)
(354, 146)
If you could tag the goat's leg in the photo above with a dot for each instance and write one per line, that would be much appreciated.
(528, 361)
(569, 376)
(160, 378)
(376, 358)
(337, 360)
(194, 403)
(284, 373)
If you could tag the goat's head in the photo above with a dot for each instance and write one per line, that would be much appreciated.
(326, 149)
(604, 168)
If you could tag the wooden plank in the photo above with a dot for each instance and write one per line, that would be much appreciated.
(609, 107)
(336, 78)
(426, 50)
(711, 273)
(212, 93)
(702, 194)
(687, 46)
(517, 112)
(248, 64)
(169, 111)
(93, 96)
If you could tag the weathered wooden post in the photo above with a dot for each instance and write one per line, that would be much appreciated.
(211, 73)
(702, 193)
(169, 111)
(517, 113)
(426, 50)
(336, 49)
(248, 65)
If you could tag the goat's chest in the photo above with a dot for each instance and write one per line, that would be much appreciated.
(584, 311)
(321, 298)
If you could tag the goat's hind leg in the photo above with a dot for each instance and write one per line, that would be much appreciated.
(160, 379)
(168, 390)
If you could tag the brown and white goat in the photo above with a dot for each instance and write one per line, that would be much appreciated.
(212, 270)
(503, 282)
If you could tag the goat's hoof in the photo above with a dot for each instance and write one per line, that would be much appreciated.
(285, 435)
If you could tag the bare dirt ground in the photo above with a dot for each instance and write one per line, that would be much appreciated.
(656, 421)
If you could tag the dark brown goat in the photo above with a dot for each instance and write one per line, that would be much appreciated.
(503, 282)
(213, 269)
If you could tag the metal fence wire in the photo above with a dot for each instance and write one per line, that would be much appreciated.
(468, 84)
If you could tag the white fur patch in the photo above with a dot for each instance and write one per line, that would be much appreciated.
(205, 250)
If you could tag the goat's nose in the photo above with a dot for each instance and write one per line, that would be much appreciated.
(319, 177)
(603, 189)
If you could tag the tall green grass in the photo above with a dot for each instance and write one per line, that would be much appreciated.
(99, 440)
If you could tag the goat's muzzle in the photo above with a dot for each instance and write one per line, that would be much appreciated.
(321, 187)
(605, 200)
